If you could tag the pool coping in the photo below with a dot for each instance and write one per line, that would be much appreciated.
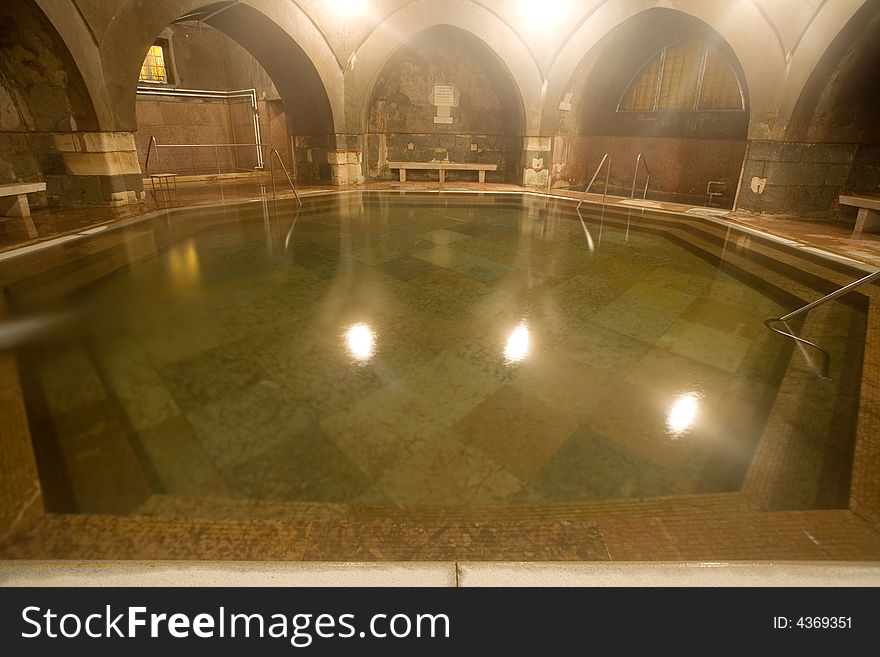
(728, 526)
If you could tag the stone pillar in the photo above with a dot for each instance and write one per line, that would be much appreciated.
(537, 155)
(346, 160)
(94, 168)
(794, 178)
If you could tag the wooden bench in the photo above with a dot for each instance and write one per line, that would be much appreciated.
(443, 167)
(868, 219)
(13, 198)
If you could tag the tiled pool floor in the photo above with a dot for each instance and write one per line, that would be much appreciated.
(408, 352)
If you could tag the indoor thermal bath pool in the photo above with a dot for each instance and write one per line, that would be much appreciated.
(383, 375)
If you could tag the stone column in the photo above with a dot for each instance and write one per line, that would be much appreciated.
(94, 168)
(794, 178)
(537, 155)
(346, 160)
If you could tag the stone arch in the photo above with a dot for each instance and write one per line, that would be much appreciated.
(485, 125)
(840, 99)
(39, 76)
(45, 104)
(686, 149)
(402, 26)
(751, 38)
(826, 25)
(279, 35)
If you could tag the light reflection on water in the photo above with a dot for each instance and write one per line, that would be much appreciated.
(360, 340)
(682, 414)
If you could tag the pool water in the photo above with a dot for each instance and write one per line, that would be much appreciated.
(409, 350)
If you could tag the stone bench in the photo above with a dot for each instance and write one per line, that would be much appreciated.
(868, 219)
(443, 167)
(13, 198)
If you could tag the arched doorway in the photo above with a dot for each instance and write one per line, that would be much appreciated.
(444, 95)
(43, 101)
(668, 86)
(834, 126)
(228, 47)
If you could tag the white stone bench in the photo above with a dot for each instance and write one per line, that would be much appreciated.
(13, 198)
(868, 219)
(443, 167)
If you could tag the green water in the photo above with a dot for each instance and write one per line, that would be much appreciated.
(412, 350)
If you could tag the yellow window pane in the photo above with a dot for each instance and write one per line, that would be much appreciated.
(153, 68)
(681, 73)
(639, 96)
(720, 89)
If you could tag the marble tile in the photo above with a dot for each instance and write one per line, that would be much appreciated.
(479, 269)
(101, 464)
(730, 318)
(721, 349)
(303, 467)
(406, 268)
(212, 374)
(589, 467)
(69, 380)
(669, 374)
(563, 384)
(248, 421)
(443, 237)
(446, 471)
(517, 431)
(381, 430)
(643, 421)
(601, 347)
(446, 399)
(136, 384)
(180, 460)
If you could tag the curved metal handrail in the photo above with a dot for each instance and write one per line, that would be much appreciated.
(287, 175)
(150, 150)
(641, 159)
(605, 158)
(826, 356)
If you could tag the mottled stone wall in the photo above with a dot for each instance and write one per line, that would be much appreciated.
(94, 168)
(795, 178)
(680, 168)
(206, 59)
(483, 124)
(864, 176)
(42, 98)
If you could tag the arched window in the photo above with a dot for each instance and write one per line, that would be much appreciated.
(156, 68)
(687, 76)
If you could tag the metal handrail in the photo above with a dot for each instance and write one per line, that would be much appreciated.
(150, 150)
(641, 158)
(287, 175)
(826, 356)
(273, 151)
(605, 158)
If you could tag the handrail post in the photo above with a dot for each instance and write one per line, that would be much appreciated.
(640, 159)
(150, 150)
(605, 158)
(287, 175)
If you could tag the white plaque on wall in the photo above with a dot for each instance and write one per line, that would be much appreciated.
(442, 119)
(444, 95)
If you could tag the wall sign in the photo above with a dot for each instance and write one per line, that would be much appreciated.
(444, 95)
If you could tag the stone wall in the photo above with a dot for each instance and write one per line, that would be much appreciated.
(482, 122)
(680, 168)
(795, 178)
(202, 58)
(43, 106)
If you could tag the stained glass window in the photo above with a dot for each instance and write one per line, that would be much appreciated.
(154, 68)
(685, 76)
